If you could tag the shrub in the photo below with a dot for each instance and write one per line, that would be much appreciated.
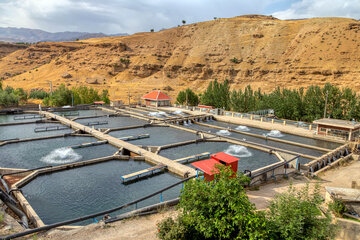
(297, 215)
(337, 207)
(218, 209)
(38, 94)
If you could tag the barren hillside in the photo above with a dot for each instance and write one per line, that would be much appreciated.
(256, 50)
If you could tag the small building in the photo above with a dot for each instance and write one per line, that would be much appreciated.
(156, 98)
(348, 130)
(116, 103)
(208, 166)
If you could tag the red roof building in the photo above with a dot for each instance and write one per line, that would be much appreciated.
(208, 166)
(156, 98)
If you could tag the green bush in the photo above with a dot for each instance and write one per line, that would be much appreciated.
(38, 94)
(218, 209)
(337, 207)
(81, 95)
(297, 215)
(187, 97)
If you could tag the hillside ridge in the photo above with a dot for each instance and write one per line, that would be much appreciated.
(257, 50)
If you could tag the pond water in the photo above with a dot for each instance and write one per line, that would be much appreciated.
(158, 135)
(53, 152)
(77, 192)
(243, 137)
(250, 159)
(277, 134)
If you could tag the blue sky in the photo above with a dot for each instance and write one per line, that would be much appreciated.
(130, 16)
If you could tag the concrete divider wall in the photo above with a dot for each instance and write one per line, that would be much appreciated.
(327, 158)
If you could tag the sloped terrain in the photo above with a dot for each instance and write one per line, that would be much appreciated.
(257, 50)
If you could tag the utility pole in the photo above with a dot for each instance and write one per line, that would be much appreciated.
(50, 88)
(129, 95)
(326, 99)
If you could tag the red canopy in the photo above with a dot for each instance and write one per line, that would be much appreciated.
(221, 156)
(207, 166)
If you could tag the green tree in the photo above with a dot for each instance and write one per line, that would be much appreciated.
(183, 22)
(187, 97)
(297, 215)
(105, 96)
(23, 96)
(218, 209)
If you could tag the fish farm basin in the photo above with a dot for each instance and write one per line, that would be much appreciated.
(33, 154)
(84, 189)
(81, 191)
(158, 135)
(250, 159)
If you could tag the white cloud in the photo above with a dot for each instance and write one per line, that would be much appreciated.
(112, 16)
(321, 8)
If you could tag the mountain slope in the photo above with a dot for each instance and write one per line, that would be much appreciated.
(257, 50)
(28, 35)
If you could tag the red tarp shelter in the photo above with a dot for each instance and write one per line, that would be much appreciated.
(208, 166)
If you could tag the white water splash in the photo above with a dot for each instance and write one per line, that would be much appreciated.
(178, 112)
(61, 156)
(238, 151)
(242, 128)
(157, 114)
(223, 132)
(274, 133)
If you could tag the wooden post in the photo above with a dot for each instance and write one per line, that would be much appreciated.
(284, 123)
(272, 121)
(310, 127)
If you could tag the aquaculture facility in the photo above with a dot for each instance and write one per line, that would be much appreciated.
(71, 166)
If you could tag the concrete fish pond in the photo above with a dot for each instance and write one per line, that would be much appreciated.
(106, 157)
(55, 151)
(80, 191)
(250, 159)
(158, 135)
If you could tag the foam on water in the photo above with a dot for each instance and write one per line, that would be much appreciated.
(242, 128)
(274, 133)
(61, 156)
(178, 112)
(223, 132)
(238, 151)
(157, 114)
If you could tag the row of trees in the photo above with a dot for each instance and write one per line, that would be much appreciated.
(10, 96)
(60, 97)
(77, 95)
(296, 104)
(220, 209)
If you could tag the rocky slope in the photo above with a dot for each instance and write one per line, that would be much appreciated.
(257, 50)
(7, 48)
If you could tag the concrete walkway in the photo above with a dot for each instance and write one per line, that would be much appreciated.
(172, 166)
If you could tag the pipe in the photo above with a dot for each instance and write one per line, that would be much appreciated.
(145, 210)
(12, 205)
(47, 227)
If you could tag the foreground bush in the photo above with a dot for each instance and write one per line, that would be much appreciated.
(297, 215)
(216, 210)
(221, 210)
